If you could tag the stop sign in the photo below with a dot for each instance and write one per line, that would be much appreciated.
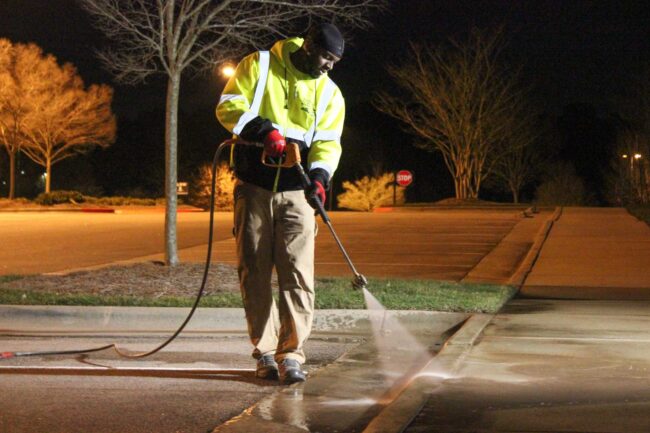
(404, 178)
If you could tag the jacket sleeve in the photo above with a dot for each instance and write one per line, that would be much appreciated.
(233, 110)
(325, 151)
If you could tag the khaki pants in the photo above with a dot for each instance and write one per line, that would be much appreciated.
(276, 229)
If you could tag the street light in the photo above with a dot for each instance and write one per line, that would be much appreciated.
(228, 70)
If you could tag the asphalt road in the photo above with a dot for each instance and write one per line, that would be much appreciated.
(38, 242)
(139, 399)
(442, 244)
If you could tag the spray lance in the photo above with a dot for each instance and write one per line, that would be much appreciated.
(292, 159)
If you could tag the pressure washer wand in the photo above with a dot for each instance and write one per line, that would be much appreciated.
(359, 282)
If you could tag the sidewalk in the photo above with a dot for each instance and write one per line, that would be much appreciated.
(539, 366)
(593, 253)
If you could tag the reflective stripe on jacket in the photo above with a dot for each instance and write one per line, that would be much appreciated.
(308, 110)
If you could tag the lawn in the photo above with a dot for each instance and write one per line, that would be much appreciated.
(148, 284)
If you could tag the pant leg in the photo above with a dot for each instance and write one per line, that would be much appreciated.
(254, 237)
(294, 262)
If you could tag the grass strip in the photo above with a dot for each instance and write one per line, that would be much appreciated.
(9, 278)
(22, 297)
(331, 293)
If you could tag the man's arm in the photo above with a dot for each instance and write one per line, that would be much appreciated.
(325, 151)
(233, 110)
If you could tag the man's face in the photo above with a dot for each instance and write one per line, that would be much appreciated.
(319, 60)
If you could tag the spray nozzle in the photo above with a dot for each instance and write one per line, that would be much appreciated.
(360, 282)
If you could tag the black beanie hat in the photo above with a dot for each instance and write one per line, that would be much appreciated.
(329, 37)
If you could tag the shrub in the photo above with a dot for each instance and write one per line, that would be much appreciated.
(562, 187)
(123, 201)
(202, 184)
(369, 193)
(58, 197)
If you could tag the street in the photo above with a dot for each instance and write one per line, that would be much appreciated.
(442, 244)
(39, 242)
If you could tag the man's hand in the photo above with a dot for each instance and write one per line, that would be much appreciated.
(274, 144)
(316, 190)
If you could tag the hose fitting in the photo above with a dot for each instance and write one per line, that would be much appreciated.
(360, 282)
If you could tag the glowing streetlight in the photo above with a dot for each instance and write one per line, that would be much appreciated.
(637, 156)
(228, 70)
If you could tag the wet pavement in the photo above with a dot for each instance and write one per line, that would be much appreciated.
(549, 366)
(198, 383)
(204, 378)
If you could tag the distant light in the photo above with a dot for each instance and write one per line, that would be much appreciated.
(22, 171)
(44, 175)
(637, 156)
(228, 70)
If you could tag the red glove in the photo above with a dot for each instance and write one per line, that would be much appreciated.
(274, 144)
(316, 190)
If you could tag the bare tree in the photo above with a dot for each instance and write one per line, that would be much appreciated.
(45, 112)
(63, 119)
(173, 36)
(19, 72)
(524, 157)
(457, 100)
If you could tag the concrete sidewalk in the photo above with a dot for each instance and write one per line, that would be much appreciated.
(539, 366)
(593, 253)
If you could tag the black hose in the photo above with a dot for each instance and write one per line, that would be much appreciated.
(217, 154)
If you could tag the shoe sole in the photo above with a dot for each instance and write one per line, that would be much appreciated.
(288, 380)
(268, 375)
(292, 381)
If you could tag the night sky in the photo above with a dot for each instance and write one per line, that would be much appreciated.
(576, 55)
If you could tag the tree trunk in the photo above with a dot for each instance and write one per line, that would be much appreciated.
(48, 176)
(515, 195)
(171, 164)
(12, 175)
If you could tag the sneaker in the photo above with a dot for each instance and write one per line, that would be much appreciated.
(267, 368)
(291, 372)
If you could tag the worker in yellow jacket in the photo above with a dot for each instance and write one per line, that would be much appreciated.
(273, 98)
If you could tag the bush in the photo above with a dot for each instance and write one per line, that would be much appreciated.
(369, 193)
(201, 187)
(58, 197)
(124, 201)
(641, 212)
(562, 187)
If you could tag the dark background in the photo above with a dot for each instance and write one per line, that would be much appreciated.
(576, 55)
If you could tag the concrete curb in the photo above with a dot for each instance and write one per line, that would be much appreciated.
(397, 416)
(18, 319)
(519, 277)
(87, 210)
(101, 210)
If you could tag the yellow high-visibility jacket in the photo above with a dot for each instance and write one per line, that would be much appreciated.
(268, 92)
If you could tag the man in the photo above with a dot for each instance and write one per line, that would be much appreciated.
(273, 98)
